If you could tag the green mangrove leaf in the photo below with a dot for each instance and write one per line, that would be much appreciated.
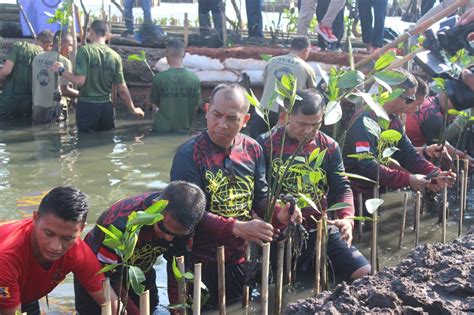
(373, 204)
(107, 268)
(176, 272)
(384, 85)
(454, 112)
(338, 206)
(332, 113)
(313, 155)
(362, 156)
(309, 201)
(323, 73)
(391, 78)
(188, 275)
(360, 218)
(157, 207)
(136, 277)
(136, 57)
(372, 127)
(286, 81)
(315, 177)
(320, 159)
(391, 135)
(300, 159)
(384, 61)
(394, 94)
(130, 247)
(107, 232)
(379, 111)
(388, 152)
(144, 218)
(265, 57)
(115, 231)
(356, 176)
(350, 79)
(301, 203)
(113, 244)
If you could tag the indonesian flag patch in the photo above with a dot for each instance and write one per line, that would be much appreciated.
(362, 146)
(5, 293)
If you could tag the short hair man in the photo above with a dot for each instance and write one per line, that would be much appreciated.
(293, 63)
(304, 120)
(15, 101)
(37, 254)
(230, 169)
(48, 105)
(416, 167)
(98, 68)
(176, 92)
(169, 237)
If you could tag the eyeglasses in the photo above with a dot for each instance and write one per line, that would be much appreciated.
(164, 229)
(229, 170)
(408, 100)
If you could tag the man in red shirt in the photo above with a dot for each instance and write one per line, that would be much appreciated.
(36, 254)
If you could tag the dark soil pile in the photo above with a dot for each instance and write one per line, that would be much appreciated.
(438, 279)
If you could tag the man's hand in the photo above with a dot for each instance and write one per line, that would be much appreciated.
(435, 150)
(137, 111)
(255, 230)
(56, 65)
(345, 228)
(467, 17)
(445, 177)
(418, 182)
(284, 215)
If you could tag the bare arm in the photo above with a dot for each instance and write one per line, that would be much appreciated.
(68, 91)
(127, 99)
(6, 70)
(78, 80)
(98, 297)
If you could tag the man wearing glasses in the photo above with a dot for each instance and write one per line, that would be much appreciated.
(230, 168)
(303, 126)
(414, 167)
(169, 237)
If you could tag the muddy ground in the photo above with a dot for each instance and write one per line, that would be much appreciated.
(434, 278)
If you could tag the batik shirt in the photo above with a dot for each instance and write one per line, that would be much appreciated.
(424, 126)
(332, 188)
(359, 140)
(234, 183)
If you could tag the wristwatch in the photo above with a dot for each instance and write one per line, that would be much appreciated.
(61, 70)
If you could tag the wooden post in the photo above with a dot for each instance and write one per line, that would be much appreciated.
(181, 283)
(317, 269)
(417, 218)
(74, 36)
(466, 184)
(361, 214)
(404, 220)
(265, 273)
(221, 278)
(186, 30)
(461, 203)
(445, 208)
(458, 182)
(279, 276)
(197, 289)
(145, 303)
(106, 307)
(373, 244)
(246, 291)
(288, 259)
(324, 269)
(79, 24)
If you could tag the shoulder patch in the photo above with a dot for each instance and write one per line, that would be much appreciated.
(5, 293)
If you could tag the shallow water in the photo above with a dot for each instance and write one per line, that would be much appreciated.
(130, 160)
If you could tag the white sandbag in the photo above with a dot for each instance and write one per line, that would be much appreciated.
(202, 62)
(217, 76)
(161, 65)
(193, 70)
(244, 64)
(256, 77)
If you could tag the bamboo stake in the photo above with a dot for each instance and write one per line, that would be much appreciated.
(361, 214)
(221, 278)
(224, 28)
(246, 292)
(417, 218)
(279, 276)
(79, 23)
(186, 30)
(106, 307)
(404, 219)
(74, 36)
(181, 283)
(461, 204)
(466, 184)
(317, 269)
(288, 259)
(324, 273)
(373, 244)
(419, 28)
(265, 273)
(145, 303)
(197, 289)
(445, 208)
(457, 172)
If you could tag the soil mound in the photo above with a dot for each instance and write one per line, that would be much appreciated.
(434, 278)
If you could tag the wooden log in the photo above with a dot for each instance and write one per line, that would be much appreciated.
(445, 208)
(181, 283)
(9, 17)
(288, 259)
(461, 203)
(221, 279)
(246, 290)
(145, 303)
(197, 289)
(279, 276)
(317, 269)
(404, 219)
(417, 218)
(265, 274)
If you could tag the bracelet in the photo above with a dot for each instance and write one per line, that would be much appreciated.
(61, 70)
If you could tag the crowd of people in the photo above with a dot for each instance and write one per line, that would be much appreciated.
(218, 190)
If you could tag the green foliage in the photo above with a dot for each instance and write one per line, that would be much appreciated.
(357, 176)
(265, 57)
(384, 61)
(372, 127)
(439, 85)
(332, 113)
(390, 77)
(391, 135)
(141, 57)
(338, 206)
(350, 79)
(454, 112)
